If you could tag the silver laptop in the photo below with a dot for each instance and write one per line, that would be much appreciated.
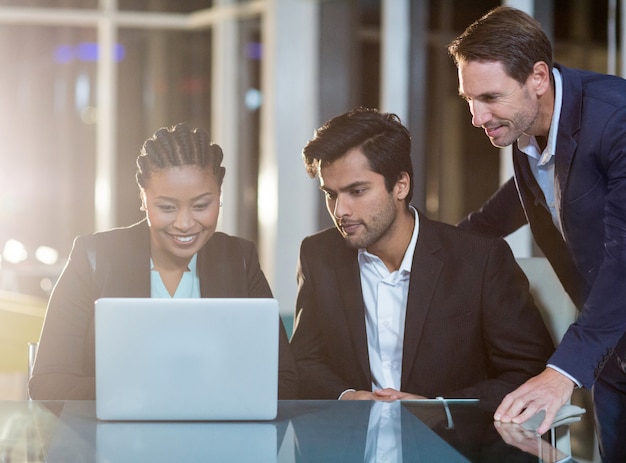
(186, 359)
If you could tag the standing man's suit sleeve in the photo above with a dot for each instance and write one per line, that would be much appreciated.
(500, 216)
(601, 255)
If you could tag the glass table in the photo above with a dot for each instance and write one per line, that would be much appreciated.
(304, 431)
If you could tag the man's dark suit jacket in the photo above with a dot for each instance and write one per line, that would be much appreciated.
(471, 330)
(590, 177)
(65, 367)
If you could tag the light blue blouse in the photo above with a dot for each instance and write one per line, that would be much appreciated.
(189, 286)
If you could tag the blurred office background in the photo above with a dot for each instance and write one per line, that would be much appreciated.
(85, 82)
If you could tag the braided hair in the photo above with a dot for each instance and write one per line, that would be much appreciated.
(175, 147)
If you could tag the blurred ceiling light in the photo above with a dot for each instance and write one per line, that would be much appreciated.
(47, 255)
(89, 115)
(46, 285)
(254, 50)
(14, 251)
(253, 99)
(86, 52)
(82, 91)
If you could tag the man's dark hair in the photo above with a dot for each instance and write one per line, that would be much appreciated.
(381, 137)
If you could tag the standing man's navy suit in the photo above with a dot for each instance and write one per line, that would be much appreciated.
(590, 256)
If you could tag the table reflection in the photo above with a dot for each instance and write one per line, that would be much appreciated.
(304, 431)
(23, 429)
(127, 441)
(365, 432)
(470, 429)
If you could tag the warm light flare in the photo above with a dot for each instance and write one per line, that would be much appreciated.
(14, 251)
(47, 255)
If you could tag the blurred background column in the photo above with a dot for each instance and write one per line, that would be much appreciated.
(288, 198)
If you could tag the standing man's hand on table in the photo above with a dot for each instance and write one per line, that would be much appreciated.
(547, 391)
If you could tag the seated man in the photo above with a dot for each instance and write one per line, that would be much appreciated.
(392, 305)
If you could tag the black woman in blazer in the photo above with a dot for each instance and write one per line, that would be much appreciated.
(65, 368)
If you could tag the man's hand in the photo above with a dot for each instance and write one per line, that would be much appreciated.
(358, 395)
(548, 391)
(383, 395)
(390, 394)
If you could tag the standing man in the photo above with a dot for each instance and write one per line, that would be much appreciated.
(391, 305)
(568, 131)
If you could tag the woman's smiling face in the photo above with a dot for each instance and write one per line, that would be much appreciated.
(182, 207)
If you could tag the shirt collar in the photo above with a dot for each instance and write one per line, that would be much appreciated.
(407, 260)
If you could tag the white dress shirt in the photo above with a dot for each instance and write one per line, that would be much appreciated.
(542, 163)
(384, 433)
(385, 296)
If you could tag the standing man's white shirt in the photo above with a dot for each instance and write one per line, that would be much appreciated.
(542, 162)
(385, 296)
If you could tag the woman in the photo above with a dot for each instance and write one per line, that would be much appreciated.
(174, 252)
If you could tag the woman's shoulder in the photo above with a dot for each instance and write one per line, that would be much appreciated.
(228, 246)
(120, 239)
(140, 227)
(227, 250)
(224, 239)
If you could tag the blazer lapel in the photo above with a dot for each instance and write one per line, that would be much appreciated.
(569, 126)
(221, 268)
(348, 276)
(526, 181)
(425, 272)
(123, 265)
(562, 164)
(213, 278)
(137, 266)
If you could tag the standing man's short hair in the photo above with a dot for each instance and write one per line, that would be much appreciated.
(506, 35)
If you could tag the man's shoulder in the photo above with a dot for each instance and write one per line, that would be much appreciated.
(451, 243)
(454, 233)
(324, 242)
(608, 88)
(329, 235)
(465, 253)
(588, 76)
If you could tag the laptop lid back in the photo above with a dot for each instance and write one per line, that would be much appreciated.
(186, 359)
